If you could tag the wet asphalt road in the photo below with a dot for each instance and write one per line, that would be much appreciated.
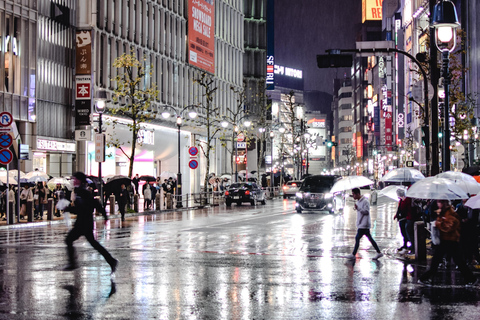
(265, 262)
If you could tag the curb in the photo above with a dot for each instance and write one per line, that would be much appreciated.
(98, 218)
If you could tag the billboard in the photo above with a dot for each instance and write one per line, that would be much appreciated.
(201, 34)
(371, 10)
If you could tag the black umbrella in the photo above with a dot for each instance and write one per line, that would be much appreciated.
(95, 182)
(473, 170)
(114, 183)
(147, 178)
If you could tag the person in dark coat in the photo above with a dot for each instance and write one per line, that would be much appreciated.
(123, 199)
(135, 181)
(83, 207)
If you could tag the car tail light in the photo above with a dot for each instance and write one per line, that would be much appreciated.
(227, 193)
(285, 187)
(294, 184)
(247, 192)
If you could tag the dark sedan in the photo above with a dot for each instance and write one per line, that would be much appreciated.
(244, 192)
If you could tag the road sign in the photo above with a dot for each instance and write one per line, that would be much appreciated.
(6, 119)
(5, 156)
(6, 140)
(240, 137)
(193, 151)
(193, 164)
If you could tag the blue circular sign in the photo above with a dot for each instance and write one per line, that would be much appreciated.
(193, 164)
(5, 156)
(193, 151)
(6, 140)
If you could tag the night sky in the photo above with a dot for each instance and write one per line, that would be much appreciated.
(305, 28)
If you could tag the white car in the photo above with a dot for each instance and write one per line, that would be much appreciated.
(291, 188)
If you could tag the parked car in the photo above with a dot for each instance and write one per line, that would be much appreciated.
(291, 188)
(314, 194)
(244, 192)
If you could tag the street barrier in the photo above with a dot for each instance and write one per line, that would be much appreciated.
(112, 204)
(135, 202)
(50, 209)
(11, 212)
(420, 241)
(29, 211)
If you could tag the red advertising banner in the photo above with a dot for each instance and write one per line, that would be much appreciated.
(388, 130)
(201, 34)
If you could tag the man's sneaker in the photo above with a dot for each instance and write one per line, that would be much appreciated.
(474, 283)
(350, 257)
(114, 265)
(426, 282)
(378, 256)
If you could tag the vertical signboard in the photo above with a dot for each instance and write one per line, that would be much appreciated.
(201, 34)
(270, 80)
(83, 80)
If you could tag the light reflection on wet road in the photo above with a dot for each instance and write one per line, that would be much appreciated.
(266, 262)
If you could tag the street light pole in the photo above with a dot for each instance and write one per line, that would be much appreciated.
(166, 114)
(179, 174)
(236, 153)
(100, 140)
(446, 113)
(445, 22)
(272, 134)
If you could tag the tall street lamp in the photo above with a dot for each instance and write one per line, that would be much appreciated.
(272, 134)
(192, 114)
(445, 22)
(100, 105)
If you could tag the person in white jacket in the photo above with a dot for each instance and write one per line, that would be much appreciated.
(363, 223)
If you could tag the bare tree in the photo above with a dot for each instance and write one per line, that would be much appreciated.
(133, 89)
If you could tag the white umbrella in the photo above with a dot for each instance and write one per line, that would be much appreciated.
(403, 175)
(3, 179)
(391, 192)
(436, 188)
(463, 180)
(350, 182)
(473, 202)
(226, 176)
(168, 174)
(52, 183)
(12, 174)
(36, 174)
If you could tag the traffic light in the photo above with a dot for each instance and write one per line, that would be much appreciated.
(334, 60)
(425, 136)
(304, 162)
(329, 144)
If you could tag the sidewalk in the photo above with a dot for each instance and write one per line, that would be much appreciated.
(99, 217)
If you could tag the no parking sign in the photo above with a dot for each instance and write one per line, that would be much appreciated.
(193, 164)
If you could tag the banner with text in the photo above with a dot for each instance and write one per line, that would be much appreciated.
(201, 34)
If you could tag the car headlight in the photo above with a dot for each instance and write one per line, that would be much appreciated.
(299, 195)
(328, 195)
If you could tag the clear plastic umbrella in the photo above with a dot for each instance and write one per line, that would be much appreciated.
(31, 176)
(463, 180)
(350, 182)
(436, 188)
(473, 202)
(403, 175)
(391, 192)
(64, 182)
